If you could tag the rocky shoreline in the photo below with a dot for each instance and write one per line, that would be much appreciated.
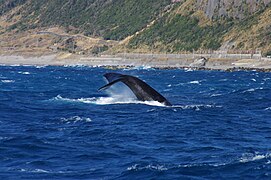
(114, 62)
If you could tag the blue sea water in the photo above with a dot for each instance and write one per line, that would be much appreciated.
(54, 124)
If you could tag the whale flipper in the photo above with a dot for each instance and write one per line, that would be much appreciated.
(142, 90)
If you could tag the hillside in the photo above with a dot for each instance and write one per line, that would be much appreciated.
(110, 19)
(93, 26)
(194, 25)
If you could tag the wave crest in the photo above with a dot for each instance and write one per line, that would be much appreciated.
(75, 119)
(250, 157)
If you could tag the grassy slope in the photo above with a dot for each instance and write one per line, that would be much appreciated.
(110, 19)
(7, 5)
(252, 33)
(187, 29)
(181, 33)
(183, 28)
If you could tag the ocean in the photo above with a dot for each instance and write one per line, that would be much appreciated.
(54, 124)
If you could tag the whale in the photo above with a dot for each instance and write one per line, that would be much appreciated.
(142, 90)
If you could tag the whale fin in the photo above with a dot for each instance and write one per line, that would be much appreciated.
(112, 76)
(108, 85)
(142, 90)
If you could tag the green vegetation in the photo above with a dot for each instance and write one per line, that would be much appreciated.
(182, 33)
(114, 20)
(7, 5)
(124, 18)
(268, 54)
(99, 49)
(118, 19)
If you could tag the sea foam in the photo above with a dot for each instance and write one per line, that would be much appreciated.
(108, 101)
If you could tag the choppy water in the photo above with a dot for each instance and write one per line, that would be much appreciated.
(54, 124)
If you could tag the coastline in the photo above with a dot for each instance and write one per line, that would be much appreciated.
(114, 62)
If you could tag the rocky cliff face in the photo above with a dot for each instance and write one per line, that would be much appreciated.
(236, 9)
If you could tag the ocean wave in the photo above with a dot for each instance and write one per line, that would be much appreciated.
(179, 84)
(202, 165)
(142, 67)
(159, 167)
(26, 73)
(109, 101)
(250, 157)
(252, 89)
(39, 67)
(75, 119)
(137, 167)
(194, 82)
(43, 171)
(223, 80)
(167, 90)
(75, 65)
(254, 80)
(189, 69)
(247, 157)
(121, 100)
(5, 138)
(7, 81)
(215, 95)
(196, 107)
(34, 170)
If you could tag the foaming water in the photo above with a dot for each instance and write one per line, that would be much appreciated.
(7, 81)
(197, 107)
(55, 124)
(108, 100)
(250, 157)
(75, 119)
(26, 73)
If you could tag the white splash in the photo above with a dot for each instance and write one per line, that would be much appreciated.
(108, 101)
(201, 165)
(7, 81)
(120, 100)
(26, 73)
(223, 80)
(253, 89)
(142, 67)
(34, 170)
(75, 65)
(136, 167)
(75, 119)
(215, 95)
(188, 69)
(197, 107)
(253, 80)
(194, 82)
(39, 67)
(249, 157)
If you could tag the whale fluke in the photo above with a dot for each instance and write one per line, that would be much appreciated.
(142, 90)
